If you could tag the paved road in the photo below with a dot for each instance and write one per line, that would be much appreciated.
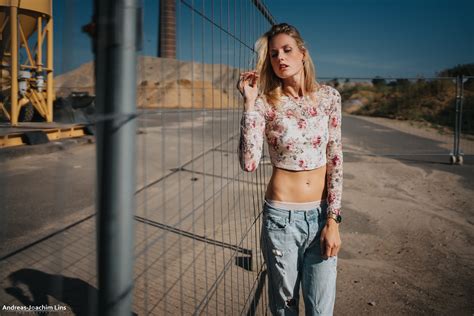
(42, 193)
(407, 148)
(195, 217)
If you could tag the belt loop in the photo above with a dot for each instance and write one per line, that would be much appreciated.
(289, 216)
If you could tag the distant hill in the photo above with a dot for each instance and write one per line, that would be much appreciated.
(167, 83)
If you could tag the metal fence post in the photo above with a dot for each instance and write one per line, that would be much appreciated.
(116, 131)
(455, 153)
(459, 157)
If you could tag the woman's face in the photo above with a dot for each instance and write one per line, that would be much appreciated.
(285, 56)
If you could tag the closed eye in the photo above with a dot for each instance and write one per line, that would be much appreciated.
(275, 54)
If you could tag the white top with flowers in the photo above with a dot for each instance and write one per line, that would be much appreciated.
(300, 136)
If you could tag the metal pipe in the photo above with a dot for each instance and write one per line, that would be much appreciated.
(115, 65)
(14, 62)
(456, 118)
(49, 70)
(39, 51)
(461, 98)
(264, 10)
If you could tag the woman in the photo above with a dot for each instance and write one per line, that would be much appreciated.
(301, 121)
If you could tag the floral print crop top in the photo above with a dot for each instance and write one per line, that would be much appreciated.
(300, 136)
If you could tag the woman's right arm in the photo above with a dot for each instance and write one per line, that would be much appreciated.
(252, 130)
(252, 123)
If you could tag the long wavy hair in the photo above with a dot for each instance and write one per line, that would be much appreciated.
(270, 85)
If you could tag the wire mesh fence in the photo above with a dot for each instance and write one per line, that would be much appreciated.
(465, 107)
(435, 114)
(197, 214)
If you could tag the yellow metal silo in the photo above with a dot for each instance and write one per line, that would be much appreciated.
(26, 86)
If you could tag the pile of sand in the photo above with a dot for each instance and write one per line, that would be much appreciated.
(167, 83)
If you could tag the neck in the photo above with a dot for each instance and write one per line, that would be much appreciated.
(294, 85)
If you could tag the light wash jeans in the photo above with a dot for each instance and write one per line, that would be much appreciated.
(291, 248)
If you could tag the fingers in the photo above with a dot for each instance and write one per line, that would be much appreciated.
(240, 86)
(334, 251)
(325, 249)
(247, 79)
(329, 249)
(249, 76)
(248, 73)
(327, 252)
(254, 80)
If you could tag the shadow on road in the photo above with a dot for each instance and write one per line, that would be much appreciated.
(79, 295)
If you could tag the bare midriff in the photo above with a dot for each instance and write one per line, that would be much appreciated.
(297, 186)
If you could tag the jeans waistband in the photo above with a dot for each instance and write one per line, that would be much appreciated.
(296, 206)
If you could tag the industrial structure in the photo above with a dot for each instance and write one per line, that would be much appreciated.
(167, 29)
(26, 85)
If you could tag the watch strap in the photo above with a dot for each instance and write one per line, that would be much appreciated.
(334, 216)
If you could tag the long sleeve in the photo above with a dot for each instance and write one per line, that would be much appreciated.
(252, 130)
(334, 155)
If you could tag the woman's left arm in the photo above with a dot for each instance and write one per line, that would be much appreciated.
(330, 238)
(334, 156)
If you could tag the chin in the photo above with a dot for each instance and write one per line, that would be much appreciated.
(284, 76)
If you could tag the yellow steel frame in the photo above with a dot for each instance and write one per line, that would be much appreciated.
(15, 139)
(42, 101)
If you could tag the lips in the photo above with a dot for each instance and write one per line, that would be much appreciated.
(283, 66)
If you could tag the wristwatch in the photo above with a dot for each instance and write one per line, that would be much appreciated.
(334, 216)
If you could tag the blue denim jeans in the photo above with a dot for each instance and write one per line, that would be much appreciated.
(291, 248)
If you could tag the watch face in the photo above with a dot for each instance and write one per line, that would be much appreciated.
(339, 218)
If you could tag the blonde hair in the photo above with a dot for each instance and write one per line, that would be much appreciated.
(270, 85)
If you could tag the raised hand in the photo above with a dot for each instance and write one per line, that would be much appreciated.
(247, 86)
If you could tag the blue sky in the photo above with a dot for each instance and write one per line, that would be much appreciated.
(383, 37)
(346, 38)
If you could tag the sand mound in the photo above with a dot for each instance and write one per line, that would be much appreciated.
(167, 83)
